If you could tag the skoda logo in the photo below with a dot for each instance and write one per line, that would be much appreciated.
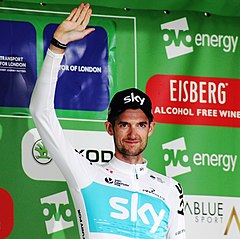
(40, 153)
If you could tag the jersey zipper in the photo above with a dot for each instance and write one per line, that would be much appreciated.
(135, 180)
(136, 173)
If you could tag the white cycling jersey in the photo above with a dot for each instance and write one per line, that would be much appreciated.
(115, 200)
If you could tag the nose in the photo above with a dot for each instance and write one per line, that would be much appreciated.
(132, 132)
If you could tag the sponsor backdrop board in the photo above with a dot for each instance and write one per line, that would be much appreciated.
(186, 62)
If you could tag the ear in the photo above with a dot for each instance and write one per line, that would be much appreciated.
(109, 128)
(151, 128)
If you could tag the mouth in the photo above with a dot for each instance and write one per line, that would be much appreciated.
(131, 141)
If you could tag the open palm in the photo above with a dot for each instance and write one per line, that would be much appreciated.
(74, 27)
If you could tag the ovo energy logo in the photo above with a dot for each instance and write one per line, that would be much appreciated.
(177, 162)
(57, 212)
(179, 42)
(173, 30)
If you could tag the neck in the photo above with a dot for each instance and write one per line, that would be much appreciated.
(130, 159)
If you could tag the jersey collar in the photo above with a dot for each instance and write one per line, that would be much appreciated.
(127, 168)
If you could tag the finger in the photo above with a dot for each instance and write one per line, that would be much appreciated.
(83, 14)
(69, 18)
(77, 13)
(88, 31)
(87, 18)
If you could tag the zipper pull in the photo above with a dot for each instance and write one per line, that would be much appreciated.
(136, 173)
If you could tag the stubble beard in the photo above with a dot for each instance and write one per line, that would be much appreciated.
(128, 153)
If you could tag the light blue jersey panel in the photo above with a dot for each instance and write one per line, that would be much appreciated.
(122, 212)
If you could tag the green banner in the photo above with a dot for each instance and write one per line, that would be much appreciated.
(185, 61)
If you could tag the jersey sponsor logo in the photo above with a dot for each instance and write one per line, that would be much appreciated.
(133, 98)
(180, 232)
(179, 40)
(57, 212)
(160, 180)
(144, 212)
(153, 192)
(81, 224)
(116, 182)
(125, 213)
(181, 204)
(109, 180)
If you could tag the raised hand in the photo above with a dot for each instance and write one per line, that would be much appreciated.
(74, 26)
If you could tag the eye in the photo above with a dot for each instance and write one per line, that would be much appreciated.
(123, 125)
(143, 125)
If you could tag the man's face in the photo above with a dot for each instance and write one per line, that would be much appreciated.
(130, 132)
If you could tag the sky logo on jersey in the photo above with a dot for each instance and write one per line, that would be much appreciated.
(122, 213)
(125, 213)
(176, 46)
(57, 212)
(176, 160)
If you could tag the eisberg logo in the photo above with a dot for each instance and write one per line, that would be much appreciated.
(178, 163)
(57, 213)
(132, 98)
(176, 47)
(123, 213)
(179, 42)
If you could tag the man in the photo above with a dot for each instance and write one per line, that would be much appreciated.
(121, 199)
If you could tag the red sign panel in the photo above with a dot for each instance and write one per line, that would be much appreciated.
(195, 100)
(6, 214)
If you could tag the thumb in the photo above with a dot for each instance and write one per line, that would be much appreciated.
(87, 31)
